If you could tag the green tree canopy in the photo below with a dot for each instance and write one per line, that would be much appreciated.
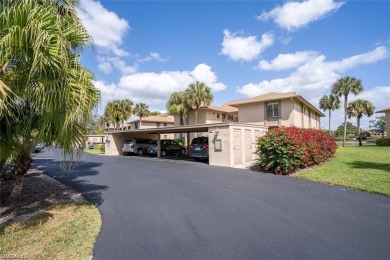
(344, 87)
(141, 110)
(378, 124)
(46, 94)
(198, 94)
(358, 109)
(329, 103)
(177, 104)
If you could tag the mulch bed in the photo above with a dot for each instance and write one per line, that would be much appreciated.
(39, 192)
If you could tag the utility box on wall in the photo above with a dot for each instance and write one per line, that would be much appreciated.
(226, 150)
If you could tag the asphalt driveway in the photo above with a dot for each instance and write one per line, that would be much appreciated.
(163, 209)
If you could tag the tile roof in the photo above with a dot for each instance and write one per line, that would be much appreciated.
(223, 108)
(272, 96)
(261, 98)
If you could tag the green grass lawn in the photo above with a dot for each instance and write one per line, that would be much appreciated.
(364, 168)
(64, 231)
(93, 151)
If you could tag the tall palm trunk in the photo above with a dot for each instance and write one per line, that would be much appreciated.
(358, 126)
(140, 122)
(20, 170)
(329, 120)
(345, 119)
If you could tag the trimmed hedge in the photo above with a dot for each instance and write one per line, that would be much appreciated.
(383, 142)
(286, 149)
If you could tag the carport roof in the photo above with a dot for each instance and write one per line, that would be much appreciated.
(182, 129)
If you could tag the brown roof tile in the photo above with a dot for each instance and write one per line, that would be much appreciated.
(266, 97)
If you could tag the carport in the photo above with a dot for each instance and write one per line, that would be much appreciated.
(230, 144)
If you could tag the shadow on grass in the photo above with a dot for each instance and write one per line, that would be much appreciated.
(370, 165)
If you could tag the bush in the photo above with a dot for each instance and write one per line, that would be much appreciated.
(103, 148)
(383, 142)
(284, 150)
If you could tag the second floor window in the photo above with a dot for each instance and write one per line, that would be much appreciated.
(273, 110)
(157, 124)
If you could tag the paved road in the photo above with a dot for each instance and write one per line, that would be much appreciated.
(161, 209)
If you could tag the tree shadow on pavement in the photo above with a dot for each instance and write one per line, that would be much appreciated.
(77, 175)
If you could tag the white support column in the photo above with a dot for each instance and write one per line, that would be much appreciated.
(158, 145)
(188, 141)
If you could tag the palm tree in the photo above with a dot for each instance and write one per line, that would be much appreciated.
(330, 103)
(343, 87)
(50, 94)
(357, 109)
(177, 104)
(141, 110)
(198, 94)
(113, 113)
(125, 106)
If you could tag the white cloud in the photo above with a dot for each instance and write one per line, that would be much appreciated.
(294, 15)
(314, 77)
(155, 88)
(288, 61)
(107, 64)
(153, 56)
(244, 48)
(106, 28)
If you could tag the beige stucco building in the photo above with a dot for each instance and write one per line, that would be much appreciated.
(387, 116)
(156, 121)
(278, 109)
(232, 129)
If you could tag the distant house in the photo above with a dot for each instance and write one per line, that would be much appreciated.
(387, 115)
(207, 115)
(157, 121)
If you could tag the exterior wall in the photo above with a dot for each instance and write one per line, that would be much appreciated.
(308, 119)
(225, 156)
(95, 138)
(287, 112)
(220, 157)
(387, 114)
(251, 113)
(201, 117)
(176, 120)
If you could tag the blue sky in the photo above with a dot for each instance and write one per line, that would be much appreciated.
(145, 50)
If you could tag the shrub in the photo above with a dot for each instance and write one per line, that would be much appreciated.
(383, 142)
(284, 150)
(103, 148)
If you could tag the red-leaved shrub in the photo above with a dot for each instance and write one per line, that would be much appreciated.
(286, 149)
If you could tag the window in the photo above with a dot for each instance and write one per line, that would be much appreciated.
(273, 110)
(158, 124)
(223, 116)
(217, 115)
(165, 124)
(136, 125)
